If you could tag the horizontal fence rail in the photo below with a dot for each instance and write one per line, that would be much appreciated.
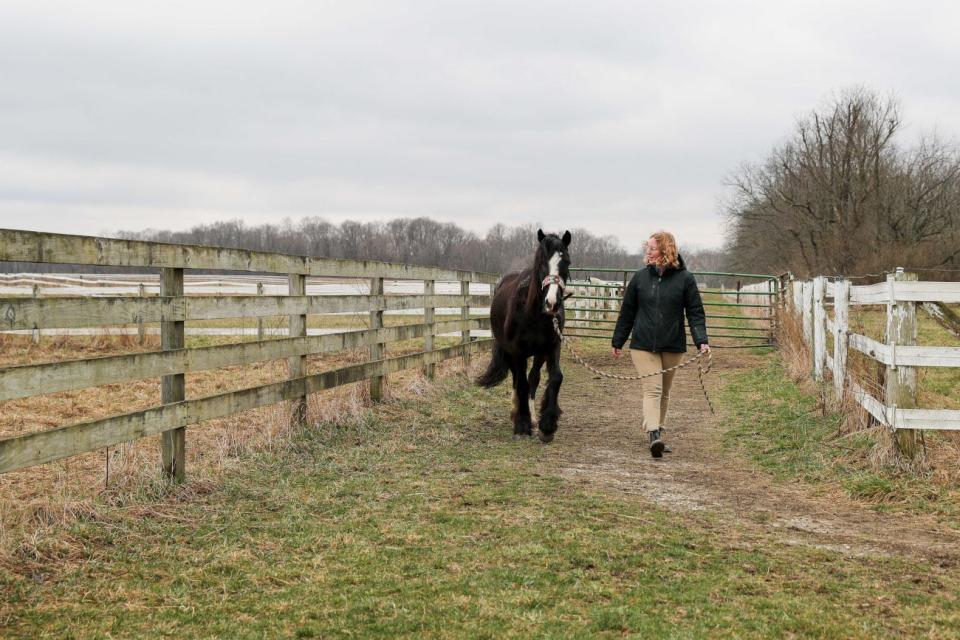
(55, 313)
(52, 248)
(892, 292)
(172, 309)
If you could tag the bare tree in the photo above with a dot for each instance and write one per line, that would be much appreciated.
(839, 196)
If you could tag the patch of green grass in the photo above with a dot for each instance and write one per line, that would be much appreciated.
(869, 486)
(425, 518)
(779, 427)
(939, 386)
(871, 321)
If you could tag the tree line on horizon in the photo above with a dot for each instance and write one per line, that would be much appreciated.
(420, 240)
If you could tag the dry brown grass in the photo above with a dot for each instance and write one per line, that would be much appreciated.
(796, 355)
(36, 502)
(19, 349)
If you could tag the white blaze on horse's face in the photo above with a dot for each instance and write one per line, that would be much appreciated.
(553, 292)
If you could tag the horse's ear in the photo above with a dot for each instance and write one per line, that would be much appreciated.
(540, 235)
(566, 238)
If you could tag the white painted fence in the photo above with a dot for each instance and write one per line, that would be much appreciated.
(757, 293)
(899, 353)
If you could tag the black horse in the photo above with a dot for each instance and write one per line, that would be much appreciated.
(521, 314)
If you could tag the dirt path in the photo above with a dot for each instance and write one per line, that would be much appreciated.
(601, 444)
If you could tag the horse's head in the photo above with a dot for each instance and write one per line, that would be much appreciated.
(552, 268)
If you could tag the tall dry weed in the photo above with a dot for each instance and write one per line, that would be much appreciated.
(795, 353)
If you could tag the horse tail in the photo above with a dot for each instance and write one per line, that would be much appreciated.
(497, 370)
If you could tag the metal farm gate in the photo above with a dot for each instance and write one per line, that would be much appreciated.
(739, 315)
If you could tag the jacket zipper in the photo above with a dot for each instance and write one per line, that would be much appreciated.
(659, 311)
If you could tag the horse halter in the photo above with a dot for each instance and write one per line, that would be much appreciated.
(557, 280)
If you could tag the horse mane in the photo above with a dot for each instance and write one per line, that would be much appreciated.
(534, 288)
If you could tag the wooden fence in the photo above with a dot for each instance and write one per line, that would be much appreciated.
(172, 309)
(899, 353)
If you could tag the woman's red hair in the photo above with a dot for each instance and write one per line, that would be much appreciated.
(669, 256)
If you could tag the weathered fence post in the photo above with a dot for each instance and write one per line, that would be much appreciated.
(819, 327)
(141, 326)
(297, 365)
(901, 381)
(593, 304)
(807, 311)
(796, 289)
(173, 443)
(841, 338)
(775, 311)
(36, 329)
(429, 288)
(376, 348)
(260, 331)
(465, 316)
(584, 305)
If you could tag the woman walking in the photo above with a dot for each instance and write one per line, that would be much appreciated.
(653, 308)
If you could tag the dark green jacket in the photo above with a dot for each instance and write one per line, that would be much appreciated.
(653, 307)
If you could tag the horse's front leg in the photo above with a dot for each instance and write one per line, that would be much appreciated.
(549, 406)
(522, 422)
(534, 378)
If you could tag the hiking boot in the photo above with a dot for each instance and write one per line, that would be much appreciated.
(656, 444)
(663, 434)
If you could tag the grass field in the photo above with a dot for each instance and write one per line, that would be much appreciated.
(424, 517)
(784, 430)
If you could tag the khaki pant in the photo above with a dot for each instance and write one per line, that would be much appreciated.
(656, 389)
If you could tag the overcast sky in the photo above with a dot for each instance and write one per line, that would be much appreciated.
(622, 117)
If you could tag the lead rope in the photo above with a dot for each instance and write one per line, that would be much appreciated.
(701, 370)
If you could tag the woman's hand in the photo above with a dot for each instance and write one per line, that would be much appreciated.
(616, 352)
(704, 348)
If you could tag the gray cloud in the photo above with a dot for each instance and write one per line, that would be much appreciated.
(619, 116)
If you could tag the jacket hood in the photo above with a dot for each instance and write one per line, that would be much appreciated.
(682, 266)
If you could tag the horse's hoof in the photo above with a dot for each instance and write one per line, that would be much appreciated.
(522, 436)
(546, 438)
